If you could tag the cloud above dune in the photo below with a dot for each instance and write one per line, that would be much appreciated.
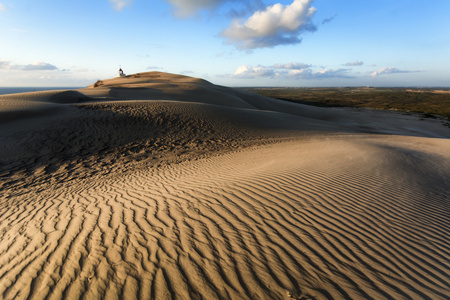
(2, 7)
(4, 64)
(245, 8)
(120, 4)
(250, 72)
(355, 63)
(153, 68)
(186, 8)
(254, 24)
(267, 26)
(332, 73)
(275, 25)
(37, 66)
(328, 20)
(289, 71)
(388, 70)
(292, 66)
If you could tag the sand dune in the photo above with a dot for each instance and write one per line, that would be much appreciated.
(161, 186)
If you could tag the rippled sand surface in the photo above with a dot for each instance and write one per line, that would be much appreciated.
(161, 186)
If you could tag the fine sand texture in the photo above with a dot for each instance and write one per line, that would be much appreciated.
(162, 186)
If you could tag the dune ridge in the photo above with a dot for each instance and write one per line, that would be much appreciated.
(238, 198)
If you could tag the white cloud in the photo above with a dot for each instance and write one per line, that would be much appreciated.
(254, 72)
(331, 73)
(354, 63)
(185, 8)
(289, 71)
(387, 70)
(37, 66)
(2, 7)
(276, 25)
(268, 26)
(306, 73)
(292, 66)
(120, 4)
(4, 65)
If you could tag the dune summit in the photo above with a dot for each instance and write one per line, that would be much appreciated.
(162, 186)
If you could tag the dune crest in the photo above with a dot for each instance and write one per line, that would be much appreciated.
(163, 186)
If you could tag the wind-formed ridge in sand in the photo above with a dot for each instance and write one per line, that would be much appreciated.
(162, 186)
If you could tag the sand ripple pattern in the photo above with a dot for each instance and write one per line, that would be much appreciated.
(263, 223)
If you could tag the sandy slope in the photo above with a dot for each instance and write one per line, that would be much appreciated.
(163, 186)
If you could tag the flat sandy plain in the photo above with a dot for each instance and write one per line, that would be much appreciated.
(162, 186)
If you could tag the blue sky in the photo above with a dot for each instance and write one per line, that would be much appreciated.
(228, 42)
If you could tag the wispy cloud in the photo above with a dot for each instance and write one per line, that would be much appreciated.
(292, 66)
(328, 20)
(332, 73)
(355, 63)
(186, 8)
(275, 25)
(247, 7)
(120, 4)
(289, 71)
(241, 8)
(4, 64)
(37, 66)
(2, 7)
(388, 70)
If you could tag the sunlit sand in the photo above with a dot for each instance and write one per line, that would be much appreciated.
(162, 186)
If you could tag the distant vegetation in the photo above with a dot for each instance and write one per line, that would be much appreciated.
(428, 102)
